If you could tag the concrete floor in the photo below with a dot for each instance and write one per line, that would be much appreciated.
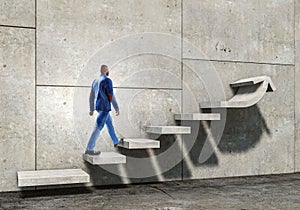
(263, 192)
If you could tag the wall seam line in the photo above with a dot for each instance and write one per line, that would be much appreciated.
(295, 121)
(86, 86)
(35, 85)
(12, 26)
(246, 62)
(181, 28)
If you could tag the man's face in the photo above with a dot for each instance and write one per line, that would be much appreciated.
(105, 71)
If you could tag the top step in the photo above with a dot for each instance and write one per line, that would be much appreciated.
(198, 116)
(249, 92)
(168, 130)
(254, 81)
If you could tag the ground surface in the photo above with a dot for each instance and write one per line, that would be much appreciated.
(264, 192)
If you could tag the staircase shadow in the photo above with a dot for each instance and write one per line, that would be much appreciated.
(99, 176)
(243, 130)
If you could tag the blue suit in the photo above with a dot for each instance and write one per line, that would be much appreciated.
(102, 91)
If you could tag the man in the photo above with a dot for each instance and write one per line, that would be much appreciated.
(102, 91)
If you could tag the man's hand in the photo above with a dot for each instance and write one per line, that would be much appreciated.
(91, 113)
(117, 113)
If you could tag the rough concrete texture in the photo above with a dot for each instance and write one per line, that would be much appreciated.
(146, 68)
(247, 38)
(258, 139)
(265, 192)
(16, 104)
(253, 31)
(17, 13)
(71, 32)
(56, 137)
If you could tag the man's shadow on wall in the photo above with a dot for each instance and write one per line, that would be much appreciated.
(243, 130)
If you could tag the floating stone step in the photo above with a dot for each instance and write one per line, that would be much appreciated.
(105, 158)
(198, 116)
(52, 177)
(168, 129)
(140, 144)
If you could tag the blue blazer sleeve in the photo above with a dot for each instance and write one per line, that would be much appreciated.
(115, 103)
(92, 98)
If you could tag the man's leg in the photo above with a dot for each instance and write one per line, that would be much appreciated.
(111, 130)
(100, 122)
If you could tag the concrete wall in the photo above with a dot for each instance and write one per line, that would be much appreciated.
(17, 85)
(19, 13)
(156, 51)
(243, 39)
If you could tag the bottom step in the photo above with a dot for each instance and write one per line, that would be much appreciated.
(105, 158)
(52, 177)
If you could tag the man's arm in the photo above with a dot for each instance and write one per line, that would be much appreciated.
(115, 105)
(92, 100)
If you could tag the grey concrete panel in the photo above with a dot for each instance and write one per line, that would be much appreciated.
(56, 137)
(70, 34)
(17, 92)
(52, 177)
(252, 31)
(149, 71)
(17, 13)
(256, 140)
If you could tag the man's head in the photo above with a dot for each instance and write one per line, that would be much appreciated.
(104, 70)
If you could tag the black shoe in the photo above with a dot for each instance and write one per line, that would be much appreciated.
(120, 142)
(92, 152)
